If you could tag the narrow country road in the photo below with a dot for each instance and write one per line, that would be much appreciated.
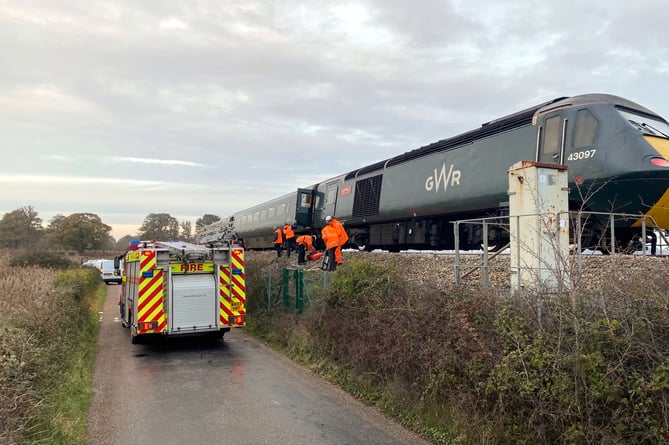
(233, 392)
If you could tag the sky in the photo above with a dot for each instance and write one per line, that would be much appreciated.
(124, 108)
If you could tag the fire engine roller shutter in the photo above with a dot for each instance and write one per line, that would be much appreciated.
(194, 303)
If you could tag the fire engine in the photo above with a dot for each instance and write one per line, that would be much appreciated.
(177, 288)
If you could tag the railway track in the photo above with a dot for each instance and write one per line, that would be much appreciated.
(439, 269)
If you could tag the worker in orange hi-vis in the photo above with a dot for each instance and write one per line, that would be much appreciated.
(278, 240)
(289, 238)
(331, 239)
(341, 234)
(304, 243)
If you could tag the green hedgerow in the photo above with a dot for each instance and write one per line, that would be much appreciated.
(47, 260)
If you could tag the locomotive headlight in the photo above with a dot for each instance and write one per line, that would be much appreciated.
(659, 162)
(661, 145)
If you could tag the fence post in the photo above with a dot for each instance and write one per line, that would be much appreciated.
(456, 238)
(286, 297)
(484, 275)
(299, 290)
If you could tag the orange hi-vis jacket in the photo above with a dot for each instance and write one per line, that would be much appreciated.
(330, 236)
(341, 233)
(278, 236)
(306, 241)
(288, 232)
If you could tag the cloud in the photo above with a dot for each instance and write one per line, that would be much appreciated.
(156, 161)
(213, 106)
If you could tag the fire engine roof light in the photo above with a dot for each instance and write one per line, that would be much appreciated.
(659, 162)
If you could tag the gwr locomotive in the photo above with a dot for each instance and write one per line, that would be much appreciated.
(617, 153)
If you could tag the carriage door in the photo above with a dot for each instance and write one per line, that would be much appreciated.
(550, 149)
(304, 209)
(330, 202)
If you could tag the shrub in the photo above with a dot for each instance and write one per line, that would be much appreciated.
(42, 330)
(77, 282)
(46, 260)
(469, 367)
(594, 374)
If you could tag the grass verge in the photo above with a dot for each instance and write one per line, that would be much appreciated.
(48, 333)
(64, 419)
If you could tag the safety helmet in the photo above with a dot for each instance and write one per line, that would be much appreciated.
(328, 218)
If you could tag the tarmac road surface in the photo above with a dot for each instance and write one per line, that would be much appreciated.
(196, 391)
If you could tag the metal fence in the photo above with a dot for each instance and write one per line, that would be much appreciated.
(293, 288)
(490, 258)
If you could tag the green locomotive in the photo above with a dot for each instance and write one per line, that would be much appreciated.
(617, 153)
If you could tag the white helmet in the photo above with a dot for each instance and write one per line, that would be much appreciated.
(328, 218)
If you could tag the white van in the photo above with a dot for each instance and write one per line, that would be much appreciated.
(107, 272)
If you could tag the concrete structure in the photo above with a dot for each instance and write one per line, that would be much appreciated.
(539, 226)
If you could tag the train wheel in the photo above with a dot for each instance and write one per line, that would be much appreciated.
(592, 235)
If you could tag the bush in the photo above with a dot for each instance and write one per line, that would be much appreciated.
(46, 260)
(44, 328)
(470, 367)
(594, 374)
(78, 282)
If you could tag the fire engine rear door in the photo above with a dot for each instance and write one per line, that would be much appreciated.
(193, 304)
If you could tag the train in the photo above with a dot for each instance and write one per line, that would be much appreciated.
(616, 152)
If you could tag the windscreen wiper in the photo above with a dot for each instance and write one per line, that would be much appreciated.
(654, 129)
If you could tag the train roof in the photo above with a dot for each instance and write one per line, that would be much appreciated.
(506, 123)
(590, 99)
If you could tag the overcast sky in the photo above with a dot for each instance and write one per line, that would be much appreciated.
(124, 108)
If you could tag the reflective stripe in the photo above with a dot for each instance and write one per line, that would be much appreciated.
(232, 286)
(150, 293)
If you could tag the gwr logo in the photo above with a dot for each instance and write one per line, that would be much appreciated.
(442, 180)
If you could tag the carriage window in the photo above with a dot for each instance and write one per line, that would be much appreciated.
(552, 135)
(305, 200)
(281, 210)
(256, 216)
(586, 129)
(271, 212)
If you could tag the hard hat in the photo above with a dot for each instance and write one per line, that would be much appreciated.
(328, 218)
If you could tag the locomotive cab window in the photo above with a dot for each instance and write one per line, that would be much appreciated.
(552, 140)
(586, 129)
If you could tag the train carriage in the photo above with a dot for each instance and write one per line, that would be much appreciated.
(617, 153)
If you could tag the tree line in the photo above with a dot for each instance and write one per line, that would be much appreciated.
(22, 228)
